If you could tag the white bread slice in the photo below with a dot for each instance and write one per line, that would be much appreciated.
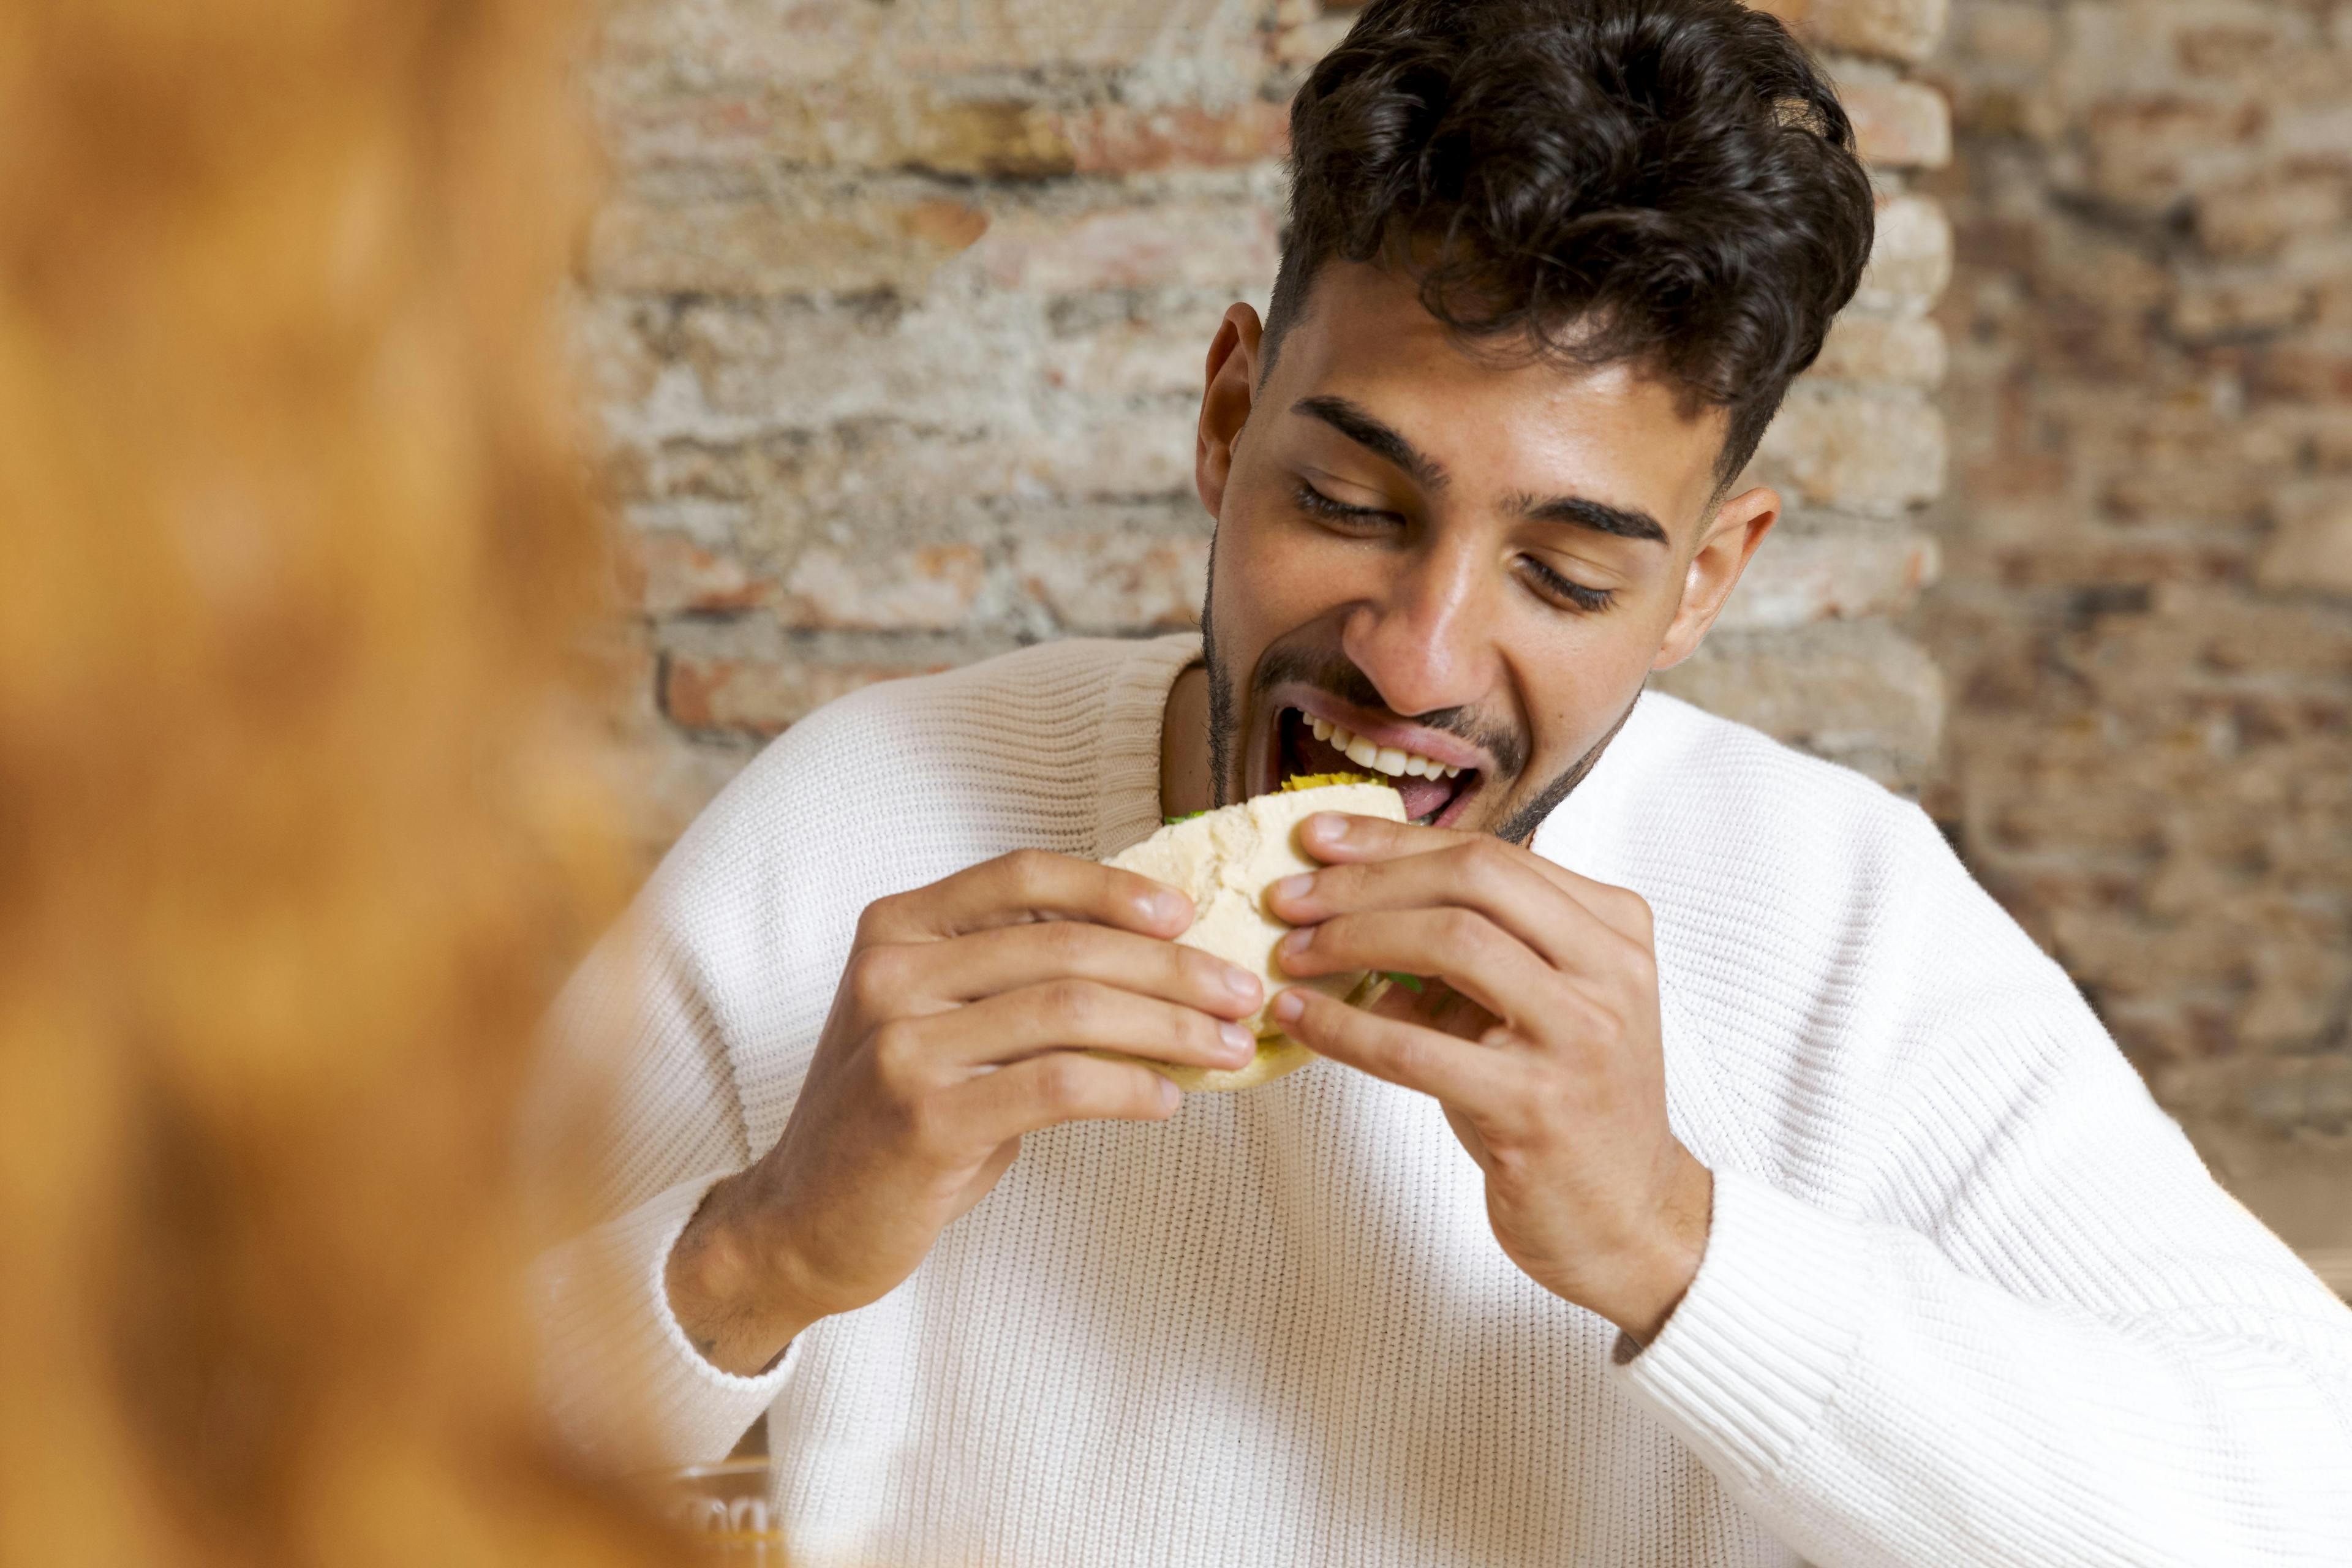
(1225, 861)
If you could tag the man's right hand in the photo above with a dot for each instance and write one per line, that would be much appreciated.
(960, 1023)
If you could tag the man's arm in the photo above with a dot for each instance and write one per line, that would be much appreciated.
(2076, 1349)
(964, 1018)
(2092, 1355)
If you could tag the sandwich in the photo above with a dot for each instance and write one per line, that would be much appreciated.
(1223, 860)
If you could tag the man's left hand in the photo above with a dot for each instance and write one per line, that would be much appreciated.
(1541, 1044)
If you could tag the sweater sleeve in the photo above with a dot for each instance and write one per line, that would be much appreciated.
(2087, 1353)
(636, 1117)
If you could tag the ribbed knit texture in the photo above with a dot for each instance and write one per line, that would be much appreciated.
(1969, 1297)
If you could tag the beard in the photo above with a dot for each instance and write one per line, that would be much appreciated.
(1338, 675)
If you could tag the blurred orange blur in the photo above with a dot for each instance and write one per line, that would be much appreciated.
(296, 829)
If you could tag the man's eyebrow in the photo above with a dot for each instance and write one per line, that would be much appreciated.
(1592, 514)
(1360, 427)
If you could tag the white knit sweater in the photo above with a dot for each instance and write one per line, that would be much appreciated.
(1969, 1297)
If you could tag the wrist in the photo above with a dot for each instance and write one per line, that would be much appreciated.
(730, 1287)
(1657, 1278)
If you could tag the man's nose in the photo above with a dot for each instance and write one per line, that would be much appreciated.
(1426, 637)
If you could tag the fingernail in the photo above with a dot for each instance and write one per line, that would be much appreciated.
(1328, 826)
(1287, 1007)
(1298, 939)
(1165, 908)
(1240, 983)
(1294, 887)
(1238, 1040)
(1171, 1096)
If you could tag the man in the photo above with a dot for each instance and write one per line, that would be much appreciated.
(1744, 1186)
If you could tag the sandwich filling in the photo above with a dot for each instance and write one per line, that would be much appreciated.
(1431, 789)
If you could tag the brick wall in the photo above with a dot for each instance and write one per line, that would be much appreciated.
(897, 315)
(2147, 610)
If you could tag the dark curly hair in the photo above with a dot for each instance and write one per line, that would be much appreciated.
(1666, 182)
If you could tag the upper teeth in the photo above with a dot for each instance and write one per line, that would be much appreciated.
(1393, 761)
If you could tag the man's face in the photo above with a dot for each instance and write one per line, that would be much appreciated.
(1455, 560)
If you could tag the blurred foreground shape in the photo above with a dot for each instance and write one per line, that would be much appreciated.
(295, 835)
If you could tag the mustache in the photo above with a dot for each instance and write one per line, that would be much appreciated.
(1337, 674)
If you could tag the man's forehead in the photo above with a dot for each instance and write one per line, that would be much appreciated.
(1514, 420)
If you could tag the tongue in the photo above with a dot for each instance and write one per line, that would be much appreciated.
(1423, 796)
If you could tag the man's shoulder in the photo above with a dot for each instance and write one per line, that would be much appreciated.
(1688, 784)
(917, 777)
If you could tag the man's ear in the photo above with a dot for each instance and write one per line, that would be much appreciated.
(1724, 552)
(1232, 388)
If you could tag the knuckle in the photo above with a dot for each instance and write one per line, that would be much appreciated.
(898, 1060)
(1638, 915)
(1408, 1055)
(876, 920)
(1070, 1004)
(1067, 942)
(874, 977)
(1061, 1086)
(1486, 860)
(1463, 931)
(1028, 872)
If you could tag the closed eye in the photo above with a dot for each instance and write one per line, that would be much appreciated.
(1317, 503)
(1558, 589)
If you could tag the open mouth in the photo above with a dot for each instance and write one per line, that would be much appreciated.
(1434, 792)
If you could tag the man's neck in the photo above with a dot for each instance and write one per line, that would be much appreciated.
(1184, 744)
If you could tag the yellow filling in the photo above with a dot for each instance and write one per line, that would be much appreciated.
(1318, 781)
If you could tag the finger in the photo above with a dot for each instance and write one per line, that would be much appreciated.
(1476, 872)
(1072, 1014)
(1461, 947)
(1476, 1079)
(1046, 1091)
(1026, 885)
(1335, 837)
(983, 964)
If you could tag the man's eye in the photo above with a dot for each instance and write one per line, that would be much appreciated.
(1559, 589)
(1316, 502)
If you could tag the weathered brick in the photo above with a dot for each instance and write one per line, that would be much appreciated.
(849, 124)
(1907, 350)
(2002, 33)
(1860, 693)
(1886, 29)
(1899, 124)
(2312, 549)
(1871, 450)
(1156, 355)
(646, 47)
(762, 696)
(797, 362)
(1911, 261)
(929, 588)
(2263, 214)
(2146, 150)
(1306, 31)
(1119, 581)
(1193, 39)
(762, 245)
(2309, 368)
(1836, 571)
(2214, 307)
(1184, 244)
(1121, 138)
(669, 574)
